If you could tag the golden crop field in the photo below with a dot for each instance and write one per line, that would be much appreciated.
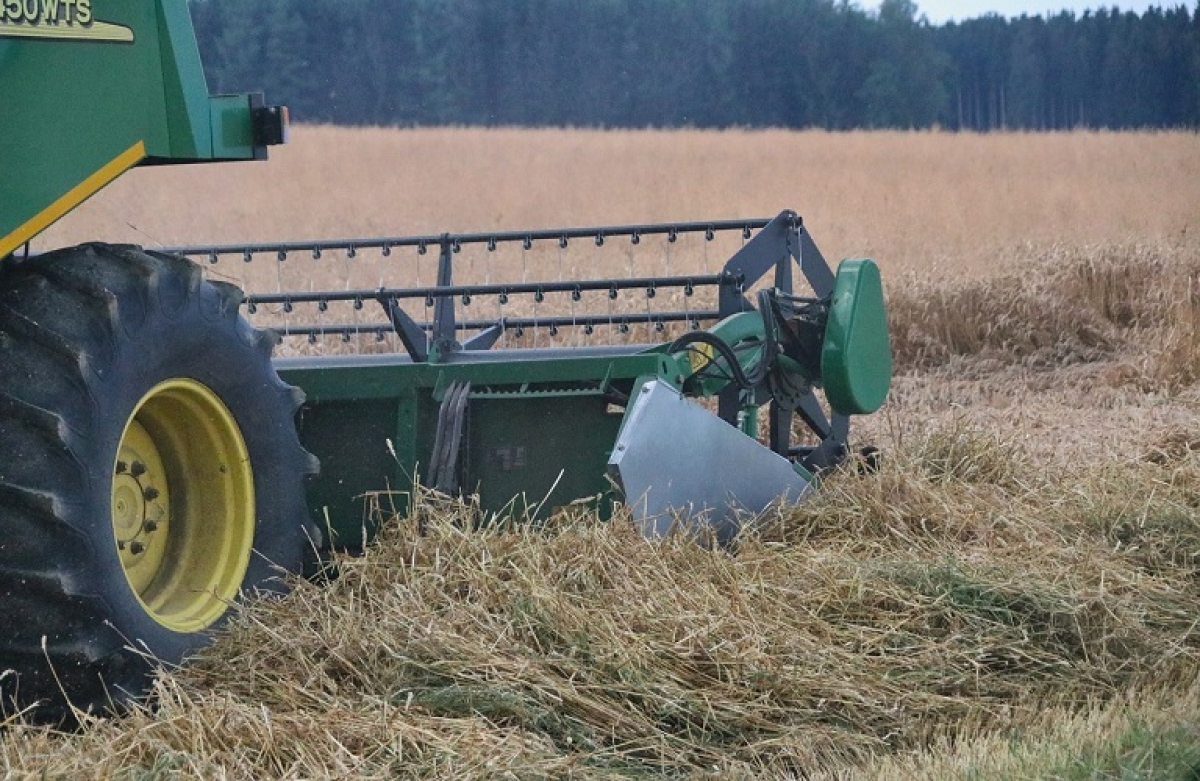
(1013, 594)
(932, 202)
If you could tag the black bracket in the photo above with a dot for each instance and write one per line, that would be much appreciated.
(411, 334)
(445, 463)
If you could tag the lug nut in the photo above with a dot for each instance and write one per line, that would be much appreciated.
(136, 548)
(150, 494)
(122, 467)
(150, 526)
(137, 469)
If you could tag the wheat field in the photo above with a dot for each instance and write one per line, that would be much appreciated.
(1013, 594)
(937, 203)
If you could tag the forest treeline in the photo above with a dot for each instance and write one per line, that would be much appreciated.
(703, 63)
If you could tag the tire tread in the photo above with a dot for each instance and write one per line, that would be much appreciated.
(68, 319)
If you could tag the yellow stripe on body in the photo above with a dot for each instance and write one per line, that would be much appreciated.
(97, 31)
(73, 197)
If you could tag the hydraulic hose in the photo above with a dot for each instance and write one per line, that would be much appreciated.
(740, 378)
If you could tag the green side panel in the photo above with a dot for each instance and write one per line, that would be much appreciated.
(856, 357)
(351, 440)
(521, 455)
(546, 452)
(90, 89)
(538, 432)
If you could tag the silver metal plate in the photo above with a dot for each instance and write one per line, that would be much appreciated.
(678, 463)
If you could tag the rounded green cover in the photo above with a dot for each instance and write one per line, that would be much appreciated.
(856, 357)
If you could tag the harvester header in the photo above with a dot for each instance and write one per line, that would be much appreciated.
(531, 392)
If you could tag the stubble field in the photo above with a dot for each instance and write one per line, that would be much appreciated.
(1015, 593)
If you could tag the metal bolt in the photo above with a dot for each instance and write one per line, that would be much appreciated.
(150, 494)
(136, 548)
(138, 469)
(122, 467)
(150, 526)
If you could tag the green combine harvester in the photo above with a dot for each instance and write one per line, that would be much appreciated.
(170, 442)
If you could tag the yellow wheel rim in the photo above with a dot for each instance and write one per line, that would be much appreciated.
(183, 505)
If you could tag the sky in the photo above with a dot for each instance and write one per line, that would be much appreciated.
(942, 11)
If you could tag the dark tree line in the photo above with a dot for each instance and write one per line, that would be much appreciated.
(703, 63)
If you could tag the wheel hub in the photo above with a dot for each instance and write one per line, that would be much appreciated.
(141, 507)
(183, 505)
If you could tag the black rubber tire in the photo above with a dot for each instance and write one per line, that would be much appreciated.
(85, 333)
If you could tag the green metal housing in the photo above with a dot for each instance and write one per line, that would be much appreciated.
(538, 427)
(541, 429)
(856, 358)
(94, 87)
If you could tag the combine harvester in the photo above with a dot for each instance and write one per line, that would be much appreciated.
(157, 462)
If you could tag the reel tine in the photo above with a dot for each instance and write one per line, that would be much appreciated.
(579, 297)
